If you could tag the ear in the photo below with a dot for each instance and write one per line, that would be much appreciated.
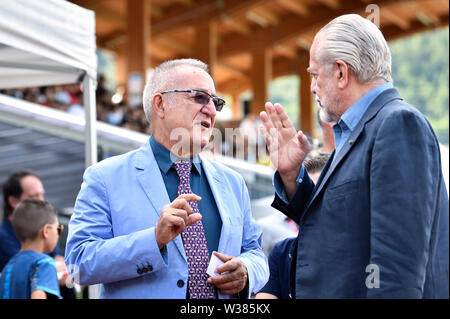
(45, 231)
(158, 105)
(342, 74)
(13, 201)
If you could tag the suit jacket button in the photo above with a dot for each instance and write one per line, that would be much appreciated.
(150, 268)
(140, 271)
(180, 283)
(145, 269)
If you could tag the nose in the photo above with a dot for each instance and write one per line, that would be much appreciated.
(313, 86)
(209, 109)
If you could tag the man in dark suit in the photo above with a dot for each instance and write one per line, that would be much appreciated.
(375, 225)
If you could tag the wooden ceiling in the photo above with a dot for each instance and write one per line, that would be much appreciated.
(285, 28)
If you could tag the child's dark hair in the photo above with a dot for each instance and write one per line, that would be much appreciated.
(30, 216)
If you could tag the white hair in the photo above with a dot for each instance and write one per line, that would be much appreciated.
(360, 44)
(162, 79)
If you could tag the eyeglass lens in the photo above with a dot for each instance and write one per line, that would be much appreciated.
(203, 99)
(60, 229)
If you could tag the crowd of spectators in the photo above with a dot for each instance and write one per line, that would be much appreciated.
(69, 98)
(116, 111)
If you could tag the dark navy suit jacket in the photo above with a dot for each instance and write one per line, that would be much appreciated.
(381, 204)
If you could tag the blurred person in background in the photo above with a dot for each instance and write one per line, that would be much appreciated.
(20, 185)
(31, 274)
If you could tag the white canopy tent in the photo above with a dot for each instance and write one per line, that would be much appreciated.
(50, 42)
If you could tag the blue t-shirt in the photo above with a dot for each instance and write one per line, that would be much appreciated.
(26, 272)
(10, 245)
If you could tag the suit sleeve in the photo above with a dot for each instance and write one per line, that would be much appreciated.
(251, 252)
(293, 208)
(93, 254)
(404, 175)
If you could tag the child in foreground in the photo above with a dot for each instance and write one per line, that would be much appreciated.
(31, 273)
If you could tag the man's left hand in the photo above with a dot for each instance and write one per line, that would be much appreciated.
(235, 278)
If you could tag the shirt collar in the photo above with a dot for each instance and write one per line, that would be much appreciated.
(164, 160)
(354, 113)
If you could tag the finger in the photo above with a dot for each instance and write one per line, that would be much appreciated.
(229, 267)
(274, 118)
(193, 218)
(263, 116)
(220, 280)
(269, 107)
(223, 257)
(177, 222)
(303, 141)
(285, 121)
(266, 120)
(181, 213)
(190, 197)
(181, 203)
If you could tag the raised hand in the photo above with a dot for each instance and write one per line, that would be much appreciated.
(174, 218)
(287, 147)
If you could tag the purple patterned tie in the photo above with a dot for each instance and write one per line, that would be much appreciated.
(194, 241)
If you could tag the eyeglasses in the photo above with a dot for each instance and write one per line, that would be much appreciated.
(202, 97)
(59, 228)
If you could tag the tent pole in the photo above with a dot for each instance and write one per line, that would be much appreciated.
(90, 110)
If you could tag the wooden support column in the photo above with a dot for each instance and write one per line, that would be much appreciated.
(121, 67)
(206, 44)
(138, 37)
(235, 105)
(261, 75)
(307, 116)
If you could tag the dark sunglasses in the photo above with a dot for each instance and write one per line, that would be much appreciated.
(59, 228)
(202, 98)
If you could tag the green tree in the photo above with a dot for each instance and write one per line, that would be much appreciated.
(420, 68)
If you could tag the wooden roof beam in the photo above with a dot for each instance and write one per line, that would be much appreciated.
(295, 6)
(284, 50)
(290, 27)
(236, 25)
(333, 4)
(181, 16)
(392, 32)
(155, 11)
(425, 14)
(233, 70)
(174, 45)
(265, 14)
(283, 65)
(389, 15)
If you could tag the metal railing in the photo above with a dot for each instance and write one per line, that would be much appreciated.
(113, 140)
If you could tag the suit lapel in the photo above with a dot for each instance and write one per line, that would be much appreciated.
(384, 98)
(152, 183)
(218, 188)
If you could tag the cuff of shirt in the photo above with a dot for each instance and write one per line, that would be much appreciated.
(279, 186)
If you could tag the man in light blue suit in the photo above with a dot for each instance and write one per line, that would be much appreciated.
(126, 229)
(376, 223)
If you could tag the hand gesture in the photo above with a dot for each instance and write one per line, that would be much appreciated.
(174, 218)
(233, 275)
(287, 148)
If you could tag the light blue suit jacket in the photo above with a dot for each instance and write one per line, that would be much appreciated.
(112, 231)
